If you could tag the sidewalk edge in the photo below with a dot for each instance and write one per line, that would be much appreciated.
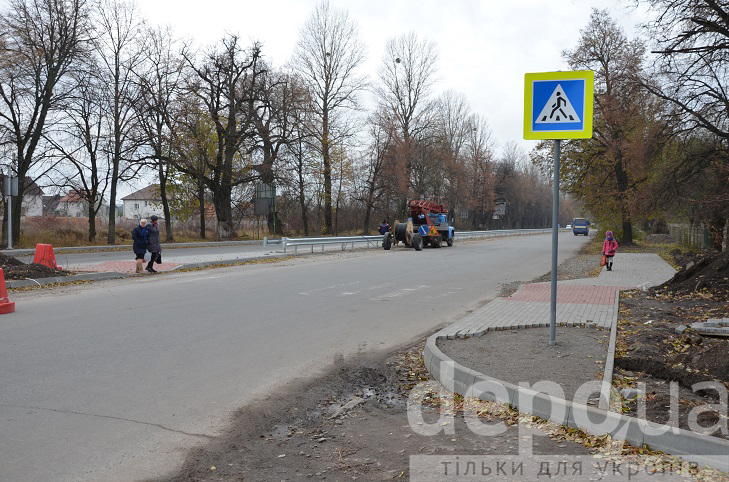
(637, 432)
(607, 379)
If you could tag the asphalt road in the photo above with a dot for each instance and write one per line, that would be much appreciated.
(119, 379)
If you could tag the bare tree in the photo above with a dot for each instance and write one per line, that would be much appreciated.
(221, 83)
(158, 78)
(407, 75)
(39, 42)
(692, 43)
(327, 55)
(80, 142)
(120, 53)
(194, 146)
(300, 150)
(479, 160)
(373, 166)
(452, 123)
(275, 104)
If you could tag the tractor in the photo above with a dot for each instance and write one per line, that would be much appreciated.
(428, 225)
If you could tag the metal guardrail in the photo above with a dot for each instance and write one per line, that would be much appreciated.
(372, 241)
(376, 241)
(500, 232)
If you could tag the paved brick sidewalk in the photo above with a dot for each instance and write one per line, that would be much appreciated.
(123, 267)
(578, 301)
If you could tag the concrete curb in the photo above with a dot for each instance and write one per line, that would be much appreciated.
(704, 450)
(22, 283)
(607, 379)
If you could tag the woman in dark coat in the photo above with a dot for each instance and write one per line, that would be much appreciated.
(140, 235)
(153, 246)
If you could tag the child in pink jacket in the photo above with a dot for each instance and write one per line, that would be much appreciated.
(608, 249)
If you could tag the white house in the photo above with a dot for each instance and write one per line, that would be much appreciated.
(32, 202)
(143, 203)
(32, 198)
(73, 205)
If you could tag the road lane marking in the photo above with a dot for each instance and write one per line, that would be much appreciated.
(398, 293)
(196, 279)
(327, 288)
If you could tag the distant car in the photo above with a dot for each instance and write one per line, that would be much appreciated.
(569, 226)
(580, 226)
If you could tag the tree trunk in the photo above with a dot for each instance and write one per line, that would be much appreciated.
(302, 204)
(92, 222)
(369, 205)
(165, 201)
(622, 178)
(111, 237)
(201, 202)
(165, 204)
(224, 213)
(328, 226)
(17, 207)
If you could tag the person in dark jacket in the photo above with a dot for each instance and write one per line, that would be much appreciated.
(153, 246)
(384, 227)
(140, 235)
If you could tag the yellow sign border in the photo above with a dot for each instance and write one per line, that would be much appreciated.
(586, 132)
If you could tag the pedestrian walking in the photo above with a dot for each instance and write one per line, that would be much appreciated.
(140, 235)
(608, 249)
(153, 245)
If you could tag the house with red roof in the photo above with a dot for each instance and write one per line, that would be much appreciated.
(143, 203)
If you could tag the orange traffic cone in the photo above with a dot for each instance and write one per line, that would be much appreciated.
(6, 306)
(44, 255)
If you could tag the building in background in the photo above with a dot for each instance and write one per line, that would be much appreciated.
(73, 205)
(32, 198)
(143, 203)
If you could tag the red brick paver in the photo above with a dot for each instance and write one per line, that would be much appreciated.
(123, 267)
(576, 294)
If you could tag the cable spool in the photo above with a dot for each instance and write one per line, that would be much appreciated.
(401, 230)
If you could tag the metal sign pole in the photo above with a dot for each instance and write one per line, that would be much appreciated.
(10, 222)
(555, 233)
(273, 208)
(558, 105)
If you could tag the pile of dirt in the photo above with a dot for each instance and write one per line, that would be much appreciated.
(14, 269)
(651, 351)
(700, 274)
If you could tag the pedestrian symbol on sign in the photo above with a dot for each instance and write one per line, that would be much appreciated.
(558, 109)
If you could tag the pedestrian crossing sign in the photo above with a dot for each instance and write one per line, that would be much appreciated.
(558, 105)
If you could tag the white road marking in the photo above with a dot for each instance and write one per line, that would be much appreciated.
(196, 279)
(306, 293)
(400, 292)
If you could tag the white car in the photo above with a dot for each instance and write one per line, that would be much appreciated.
(569, 226)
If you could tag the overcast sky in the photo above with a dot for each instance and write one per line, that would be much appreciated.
(485, 46)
